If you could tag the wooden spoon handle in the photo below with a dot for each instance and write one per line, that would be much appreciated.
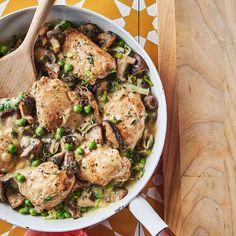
(39, 18)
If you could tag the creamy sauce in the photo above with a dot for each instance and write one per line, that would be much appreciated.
(7, 163)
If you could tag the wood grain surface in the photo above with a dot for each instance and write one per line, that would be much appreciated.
(201, 198)
(167, 69)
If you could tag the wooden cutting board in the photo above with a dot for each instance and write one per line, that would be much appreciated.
(198, 44)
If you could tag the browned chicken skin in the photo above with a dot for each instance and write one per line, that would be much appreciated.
(104, 165)
(45, 186)
(130, 113)
(54, 104)
(89, 61)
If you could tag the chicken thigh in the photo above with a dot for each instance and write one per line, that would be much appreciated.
(104, 165)
(129, 114)
(54, 104)
(45, 186)
(89, 61)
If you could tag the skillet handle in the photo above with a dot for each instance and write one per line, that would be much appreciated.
(141, 209)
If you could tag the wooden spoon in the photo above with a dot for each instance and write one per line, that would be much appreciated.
(17, 70)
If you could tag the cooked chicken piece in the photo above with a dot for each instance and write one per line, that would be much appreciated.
(54, 104)
(45, 186)
(89, 61)
(129, 114)
(104, 165)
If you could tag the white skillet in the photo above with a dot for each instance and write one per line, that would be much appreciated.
(18, 23)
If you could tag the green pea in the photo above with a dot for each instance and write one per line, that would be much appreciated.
(20, 178)
(35, 163)
(12, 148)
(21, 122)
(79, 151)
(61, 63)
(88, 109)
(59, 133)
(69, 146)
(28, 203)
(1, 107)
(92, 145)
(40, 131)
(67, 214)
(3, 50)
(77, 108)
(44, 213)
(33, 212)
(24, 210)
(68, 68)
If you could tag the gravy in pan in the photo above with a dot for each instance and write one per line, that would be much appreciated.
(9, 133)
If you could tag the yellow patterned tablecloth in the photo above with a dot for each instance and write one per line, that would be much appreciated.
(139, 17)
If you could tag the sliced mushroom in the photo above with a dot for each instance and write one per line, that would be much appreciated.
(33, 148)
(103, 84)
(85, 95)
(147, 140)
(85, 199)
(51, 66)
(122, 65)
(140, 65)
(8, 113)
(150, 102)
(94, 133)
(55, 33)
(74, 211)
(4, 184)
(112, 135)
(9, 193)
(91, 31)
(27, 108)
(50, 56)
(113, 196)
(69, 164)
(54, 146)
(14, 198)
(106, 39)
(58, 158)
